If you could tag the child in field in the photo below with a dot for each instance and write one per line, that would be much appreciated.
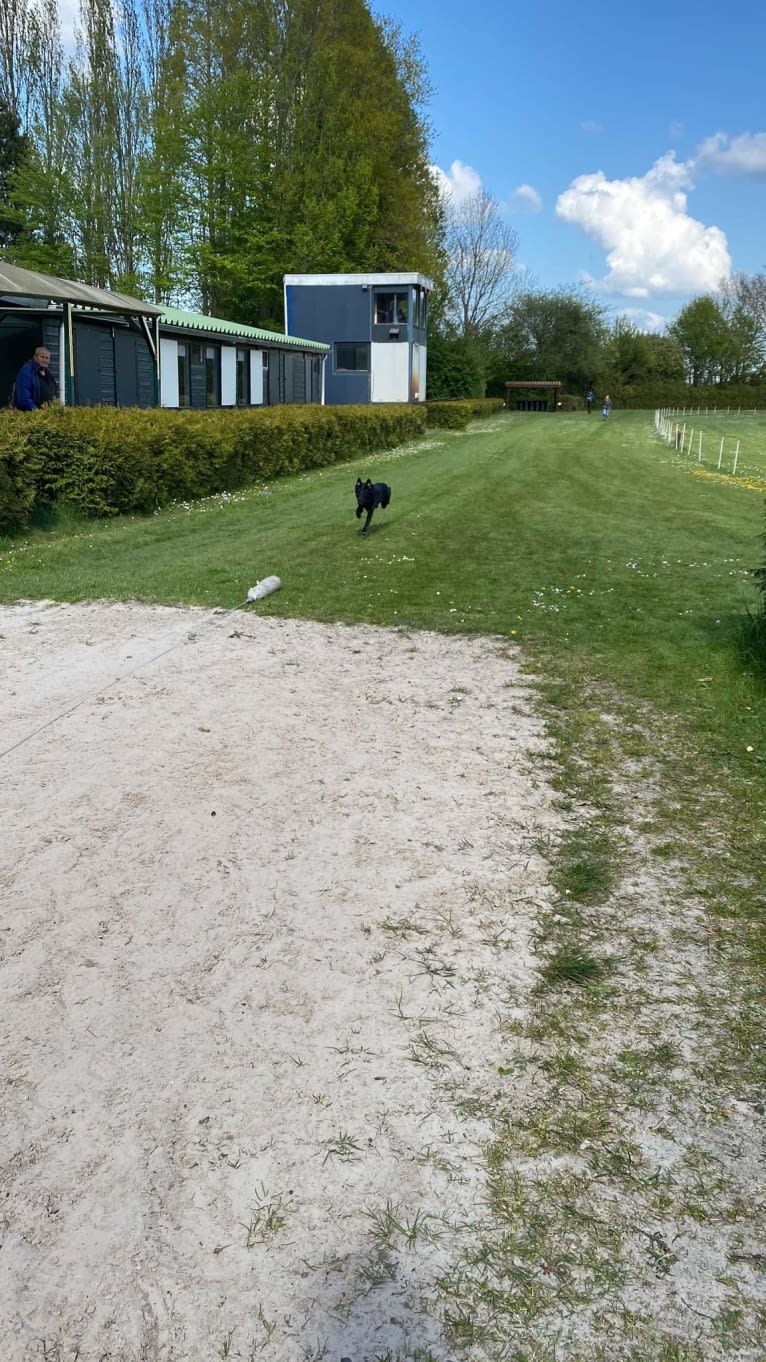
(607, 407)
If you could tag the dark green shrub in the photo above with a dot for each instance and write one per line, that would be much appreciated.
(674, 393)
(18, 475)
(456, 415)
(456, 368)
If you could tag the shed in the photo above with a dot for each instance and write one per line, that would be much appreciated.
(527, 385)
(112, 350)
(104, 345)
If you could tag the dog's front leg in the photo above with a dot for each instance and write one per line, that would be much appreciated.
(367, 521)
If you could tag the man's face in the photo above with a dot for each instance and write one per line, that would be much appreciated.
(43, 357)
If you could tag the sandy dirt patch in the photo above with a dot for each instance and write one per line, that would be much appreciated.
(236, 1050)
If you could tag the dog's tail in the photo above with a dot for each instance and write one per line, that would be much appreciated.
(386, 498)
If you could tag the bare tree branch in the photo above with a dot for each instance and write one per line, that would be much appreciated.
(481, 251)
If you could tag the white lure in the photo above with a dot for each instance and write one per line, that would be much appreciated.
(263, 588)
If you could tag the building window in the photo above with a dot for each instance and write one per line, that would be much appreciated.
(212, 377)
(265, 359)
(243, 378)
(183, 375)
(390, 308)
(421, 303)
(197, 354)
(352, 357)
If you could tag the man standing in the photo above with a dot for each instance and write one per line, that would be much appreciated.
(35, 384)
(590, 398)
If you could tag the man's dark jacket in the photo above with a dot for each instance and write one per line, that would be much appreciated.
(30, 391)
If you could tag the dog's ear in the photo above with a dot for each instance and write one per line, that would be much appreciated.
(368, 483)
(358, 483)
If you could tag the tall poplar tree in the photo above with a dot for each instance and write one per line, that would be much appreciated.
(162, 200)
(42, 190)
(198, 151)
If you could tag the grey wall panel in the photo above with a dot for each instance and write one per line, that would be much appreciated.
(133, 365)
(329, 313)
(342, 389)
(94, 365)
(298, 378)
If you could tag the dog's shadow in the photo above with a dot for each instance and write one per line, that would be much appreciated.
(373, 529)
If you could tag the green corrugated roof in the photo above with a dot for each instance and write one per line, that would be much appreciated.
(197, 321)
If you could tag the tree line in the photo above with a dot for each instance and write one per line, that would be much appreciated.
(492, 324)
(194, 152)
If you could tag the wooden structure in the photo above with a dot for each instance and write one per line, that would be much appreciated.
(108, 349)
(533, 404)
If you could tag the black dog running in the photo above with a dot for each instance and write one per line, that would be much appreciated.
(368, 496)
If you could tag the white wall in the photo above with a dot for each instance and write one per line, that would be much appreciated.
(168, 372)
(228, 375)
(256, 378)
(390, 372)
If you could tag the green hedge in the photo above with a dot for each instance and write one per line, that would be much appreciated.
(454, 414)
(649, 396)
(108, 461)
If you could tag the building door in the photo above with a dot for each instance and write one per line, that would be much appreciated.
(134, 369)
(94, 366)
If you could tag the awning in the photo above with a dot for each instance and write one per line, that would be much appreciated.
(19, 283)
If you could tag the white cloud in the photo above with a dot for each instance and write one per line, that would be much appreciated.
(525, 199)
(457, 184)
(643, 319)
(589, 125)
(653, 246)
(742, 155)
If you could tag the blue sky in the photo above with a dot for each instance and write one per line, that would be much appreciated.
(627, 146)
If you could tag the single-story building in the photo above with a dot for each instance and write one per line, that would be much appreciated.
(110, 349)
(207, 362)
(376, 326)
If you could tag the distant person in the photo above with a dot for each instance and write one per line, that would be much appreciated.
(35, 385)
(590, 398)
(606, 410)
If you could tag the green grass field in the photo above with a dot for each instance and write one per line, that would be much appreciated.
(615, 561)
(730, 442)
(621, 568)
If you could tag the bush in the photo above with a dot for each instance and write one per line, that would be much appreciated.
(113, 460)
(18, 480)
(455, 368)
(456, 415)
(672, 393)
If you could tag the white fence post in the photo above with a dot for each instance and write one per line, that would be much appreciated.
(736, 456)
(720, 454)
